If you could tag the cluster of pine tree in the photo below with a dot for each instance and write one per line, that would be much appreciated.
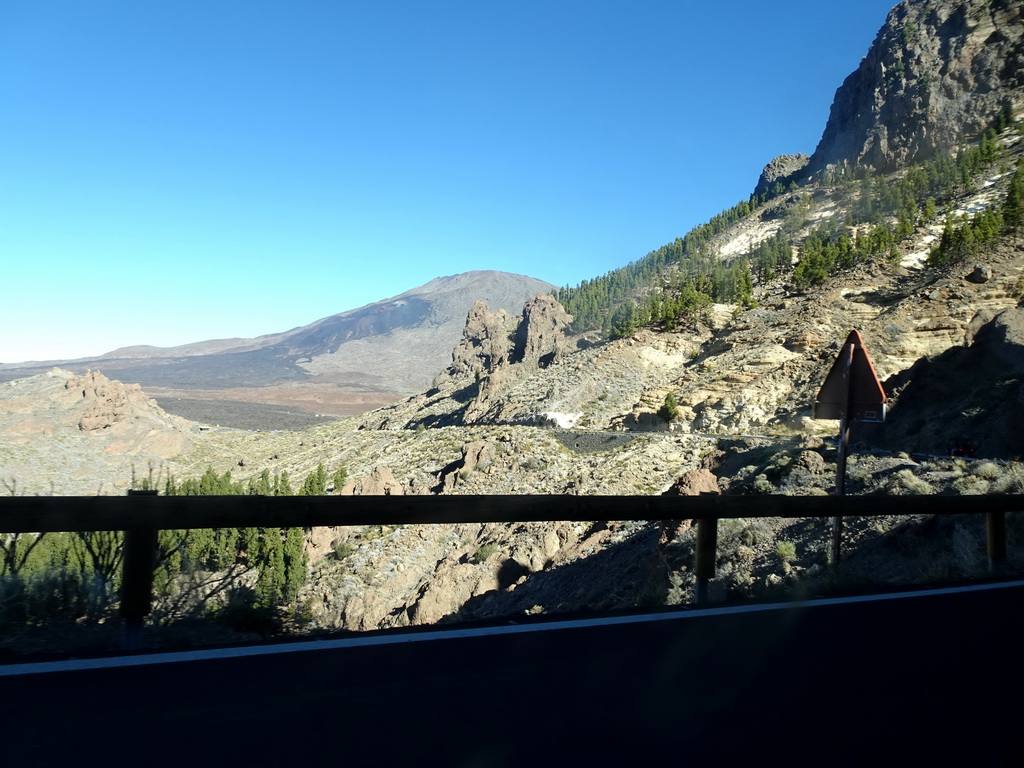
(684, 300)
(827, 250)
(911, 198)
(679, 282)
(963, 237)
(212, 484)
(76, 576)
(940, 178)
(688, 259)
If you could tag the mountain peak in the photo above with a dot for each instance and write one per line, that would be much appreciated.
(938, 73)
(338, 365)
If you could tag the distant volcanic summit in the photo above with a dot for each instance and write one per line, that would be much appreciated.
(341, 364)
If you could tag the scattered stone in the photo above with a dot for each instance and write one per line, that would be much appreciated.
(980, 274)
(812, 461)
(694, 482)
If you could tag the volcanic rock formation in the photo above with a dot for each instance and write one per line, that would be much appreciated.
(937, 74)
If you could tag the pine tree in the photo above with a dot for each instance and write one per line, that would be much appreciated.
(315, 483)
(1013, 206)
(270, 585)
(295, 562)
(623, 321)
(282, 486)
(263, 486)
(670, 409)
(339, 477)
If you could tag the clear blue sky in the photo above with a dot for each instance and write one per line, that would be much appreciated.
(179, 171)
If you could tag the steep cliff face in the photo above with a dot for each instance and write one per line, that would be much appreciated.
(485, 346)
(781, 170)
(937, 74)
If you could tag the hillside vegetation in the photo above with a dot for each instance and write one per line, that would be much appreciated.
(825, 227)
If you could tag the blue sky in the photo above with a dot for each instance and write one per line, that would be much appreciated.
(179, 171)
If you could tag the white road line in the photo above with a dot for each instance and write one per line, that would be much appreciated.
(305, 646)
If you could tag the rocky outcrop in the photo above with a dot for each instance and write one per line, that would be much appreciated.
(491, 341)
(1003, 340)
(541, 336)
(380, 482)
(106, 402)
(781, 170)
(77, 434)
(937, 74)
(971, 393)
(496, 349)
(486, 344)
(107, 405)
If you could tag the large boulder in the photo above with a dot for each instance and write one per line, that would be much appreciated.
(973, 393)
(694, 482)
(1003, 339)
(380, 482)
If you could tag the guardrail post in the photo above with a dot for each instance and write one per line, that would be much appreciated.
(137, 580)
(707, 552)
(837, 543)
(995, 540)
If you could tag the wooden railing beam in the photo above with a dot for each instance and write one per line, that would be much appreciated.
(35, 514)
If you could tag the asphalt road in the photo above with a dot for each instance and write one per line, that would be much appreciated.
(929, 679)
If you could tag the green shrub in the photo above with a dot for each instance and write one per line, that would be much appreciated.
(763, 485)
(342, 549)
(987, 470)
(906, 483)
(1012, 482)
(971, 485)
(484, 552)
(786, 551)
(670, 409)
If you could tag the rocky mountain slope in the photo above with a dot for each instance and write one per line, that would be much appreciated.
(488, 426)
(346, 363)
(934, 77)
(739, 370)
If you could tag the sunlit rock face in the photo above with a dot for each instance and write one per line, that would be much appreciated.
(938, 73)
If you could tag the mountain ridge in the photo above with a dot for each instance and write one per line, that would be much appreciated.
(338, 364)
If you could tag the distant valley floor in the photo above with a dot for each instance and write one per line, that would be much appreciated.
(268, 408)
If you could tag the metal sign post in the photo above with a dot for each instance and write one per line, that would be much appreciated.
(851, 392)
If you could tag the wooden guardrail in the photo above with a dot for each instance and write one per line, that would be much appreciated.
(140, 510)
(141, 514)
